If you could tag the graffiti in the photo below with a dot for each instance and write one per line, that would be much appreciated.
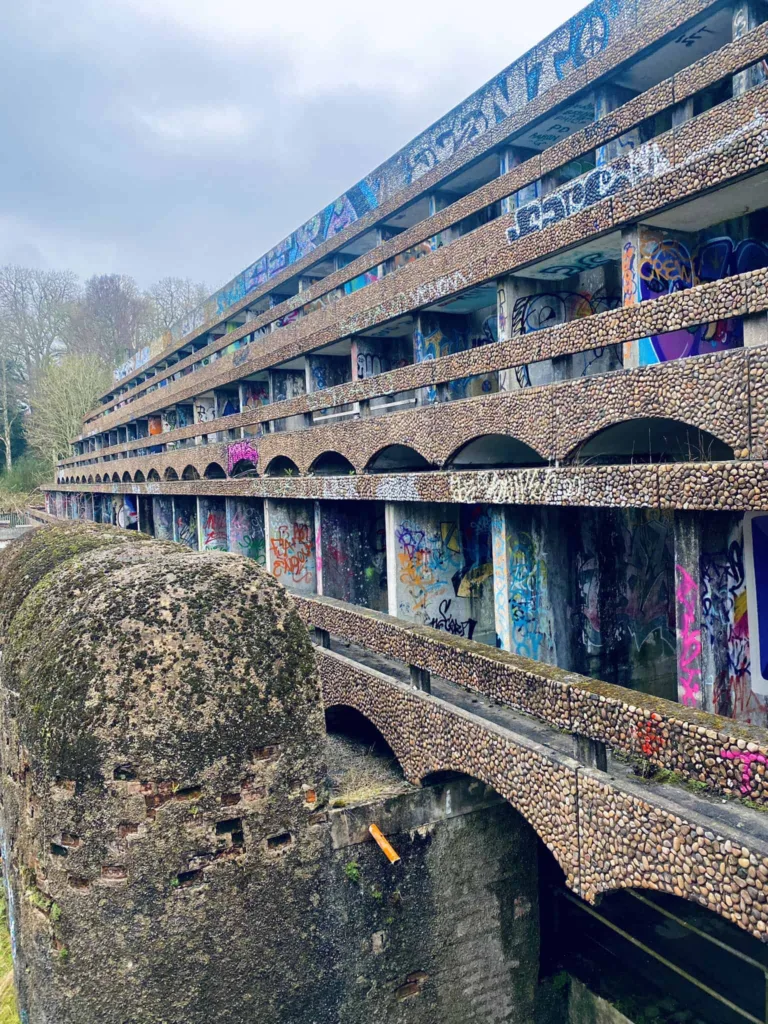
(141, 358)
(215, 528)
(441, 337)
(530, 623)
(629, 274)
(205, 410)
(549, 309)
(689, 653)
(291, 552)
(163, 515)
(667, 266)
(241, 451)
(747, 759)
(649, 737)
(361, 281)
(724, 613)
(446, 621)
(255, 393)
(186, 525)
(578, 264)
(640, 164)
(246, 531)
(695, 35)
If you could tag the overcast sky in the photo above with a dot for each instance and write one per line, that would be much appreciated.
(186, 137)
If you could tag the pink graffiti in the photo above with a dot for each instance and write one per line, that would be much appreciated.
(747, 760)
(690, 647)
(241, 451)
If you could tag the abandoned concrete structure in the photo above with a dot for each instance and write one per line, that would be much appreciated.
(498, 415)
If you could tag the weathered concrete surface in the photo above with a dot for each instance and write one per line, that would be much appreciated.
(451, 932)
(161, 766)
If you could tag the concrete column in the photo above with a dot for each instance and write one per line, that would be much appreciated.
(509, 291)
(688, 619)
(392, 564)
(607, 99)
(318, 515)
(267, 534)
(755, 330)
(500, 547)
(199, 518)
(682, 112)
(744, 17)
(509, 158)
(439, 201)
(630, 287)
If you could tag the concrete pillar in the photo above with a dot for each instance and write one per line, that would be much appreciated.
(755, 330)
(744, 17)
(508, 291)
(318, 512)
(688, 619)
(390, 520)
(439, 201)
(608, 98)
(682, 112)
(421, 679)
(509, 158)
(500, 546)
(199, 526)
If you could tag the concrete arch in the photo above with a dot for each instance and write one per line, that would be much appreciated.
(126, 477)
(98, 478)
(281, 465)
(153, 475)
(649, 439)
(115, 478)
(393, 458)
(331, 463)
(213, 471)
(170, 474)
(138, 477)
(190, 473)
(542, 791)
(485, 451)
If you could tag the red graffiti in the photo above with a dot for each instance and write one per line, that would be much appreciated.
(689, 672)
(650, 739)
(291, 551)
(747, 760)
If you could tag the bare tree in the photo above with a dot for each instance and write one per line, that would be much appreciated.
(36, 308)
(170, 299)
(9, 401)
(111, 320)
(63, 394)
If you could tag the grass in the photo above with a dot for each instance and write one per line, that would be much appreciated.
(359, 774)
(9, 1013)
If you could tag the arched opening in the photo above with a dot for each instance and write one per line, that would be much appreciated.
(361, 764)
(656, 957)
(493, 450)
(397, 458)
(651, 440)
(115, 478)
(213, 471)
(153, 475)
(243, 468)
(138, 477)
(331, 464)
(126, 477)
(190, 473)
(77, 480)
(171, 474)
(90, 479)
(98, 478)
(281, 465)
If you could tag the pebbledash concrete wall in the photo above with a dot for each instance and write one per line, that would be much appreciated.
(168, 851)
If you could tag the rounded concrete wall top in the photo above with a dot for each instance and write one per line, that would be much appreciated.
(162, 667)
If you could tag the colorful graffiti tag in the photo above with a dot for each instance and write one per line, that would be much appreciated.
(246, 530)
(689, 635)
(291, 551)
(242, 452)
(666, 265)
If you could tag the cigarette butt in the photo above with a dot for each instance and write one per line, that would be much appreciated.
(392, 856)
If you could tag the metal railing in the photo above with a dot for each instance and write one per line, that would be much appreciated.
(10, 520)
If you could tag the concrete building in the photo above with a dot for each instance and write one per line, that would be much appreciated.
(499, 412)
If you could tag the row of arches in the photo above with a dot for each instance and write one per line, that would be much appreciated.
(647, 440)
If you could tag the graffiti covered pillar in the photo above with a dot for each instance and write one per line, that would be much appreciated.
(688, 620)
(511, 293)
(291, 544)
(745, 17)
